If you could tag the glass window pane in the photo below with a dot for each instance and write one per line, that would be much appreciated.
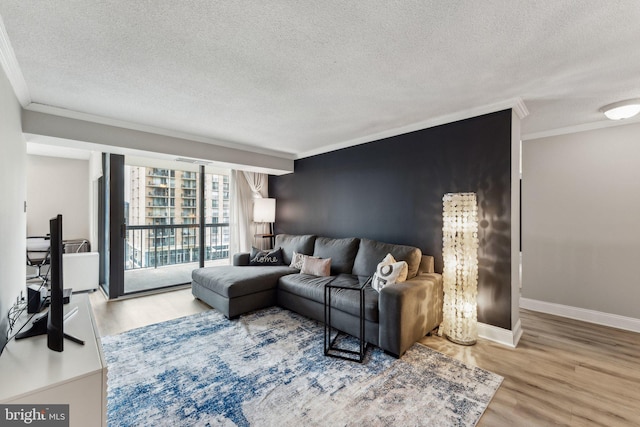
(162, 219)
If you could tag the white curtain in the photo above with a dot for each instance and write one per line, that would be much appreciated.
(258, 183)
(244, 187)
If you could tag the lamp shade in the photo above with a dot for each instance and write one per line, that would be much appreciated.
(264, 210)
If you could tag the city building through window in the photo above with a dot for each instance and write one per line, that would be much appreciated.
(162, 211)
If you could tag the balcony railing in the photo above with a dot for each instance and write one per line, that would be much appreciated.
(148, 245)
(158, 172)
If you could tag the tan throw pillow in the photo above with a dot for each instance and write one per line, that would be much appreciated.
(389, 272)
(316, 266)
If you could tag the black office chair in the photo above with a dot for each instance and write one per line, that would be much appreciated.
(38, 256)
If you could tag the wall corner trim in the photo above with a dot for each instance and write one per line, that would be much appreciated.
(583, 314)
(9, 63)
(520, 108)
(500, 335)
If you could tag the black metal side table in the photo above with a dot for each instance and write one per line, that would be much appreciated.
(330, 348)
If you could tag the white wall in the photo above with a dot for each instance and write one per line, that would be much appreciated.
(12, 197)
(58, 186)
(516, 327)
(581, 221)
(95, 172)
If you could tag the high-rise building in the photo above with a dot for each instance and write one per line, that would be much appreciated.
(163, 216)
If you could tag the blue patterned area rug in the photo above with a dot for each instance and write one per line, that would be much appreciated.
(268, 369)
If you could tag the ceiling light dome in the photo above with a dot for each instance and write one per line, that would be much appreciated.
(622, 110)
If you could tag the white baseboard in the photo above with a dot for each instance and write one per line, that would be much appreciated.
(577, 313)
(500, 335)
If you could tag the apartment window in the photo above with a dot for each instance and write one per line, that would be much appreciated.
(166, 237)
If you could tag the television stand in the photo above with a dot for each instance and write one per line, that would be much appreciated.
(39, 327)
(76, 377)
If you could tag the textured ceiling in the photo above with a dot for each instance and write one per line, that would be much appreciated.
(298, 76)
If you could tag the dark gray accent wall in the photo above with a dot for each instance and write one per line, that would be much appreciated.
(391, 190)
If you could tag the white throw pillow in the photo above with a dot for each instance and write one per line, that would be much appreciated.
(297, 260)
(389, 272)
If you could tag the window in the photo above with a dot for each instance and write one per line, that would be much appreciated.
(163, 205)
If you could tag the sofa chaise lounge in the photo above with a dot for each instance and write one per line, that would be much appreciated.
(395, 318)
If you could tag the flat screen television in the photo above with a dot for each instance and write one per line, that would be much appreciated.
(55, 319)
(52, 324)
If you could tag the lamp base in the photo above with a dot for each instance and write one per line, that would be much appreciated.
(461, 342)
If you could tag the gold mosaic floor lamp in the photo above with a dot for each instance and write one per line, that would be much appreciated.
(460, 274)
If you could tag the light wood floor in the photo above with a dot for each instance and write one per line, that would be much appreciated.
(564, 372)
(114, 317)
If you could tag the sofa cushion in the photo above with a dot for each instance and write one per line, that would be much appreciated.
(371, 252)
(265, 257)
(289, 243)
(316, 266)
(231, 281)
(312, 288)
(341, 251)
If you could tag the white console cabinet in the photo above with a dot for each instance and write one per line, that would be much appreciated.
(30, 373)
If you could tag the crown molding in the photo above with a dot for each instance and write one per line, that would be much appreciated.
(516, 104)
(521, 110)
(70, 114)
(603, 124)
(11, 67)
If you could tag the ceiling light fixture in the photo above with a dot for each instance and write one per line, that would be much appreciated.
(622, 110)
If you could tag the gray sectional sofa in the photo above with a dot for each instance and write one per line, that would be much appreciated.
(395, 318)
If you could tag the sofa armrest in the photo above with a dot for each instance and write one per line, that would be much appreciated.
(426, 265)
(408, 311)
(241, 259)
